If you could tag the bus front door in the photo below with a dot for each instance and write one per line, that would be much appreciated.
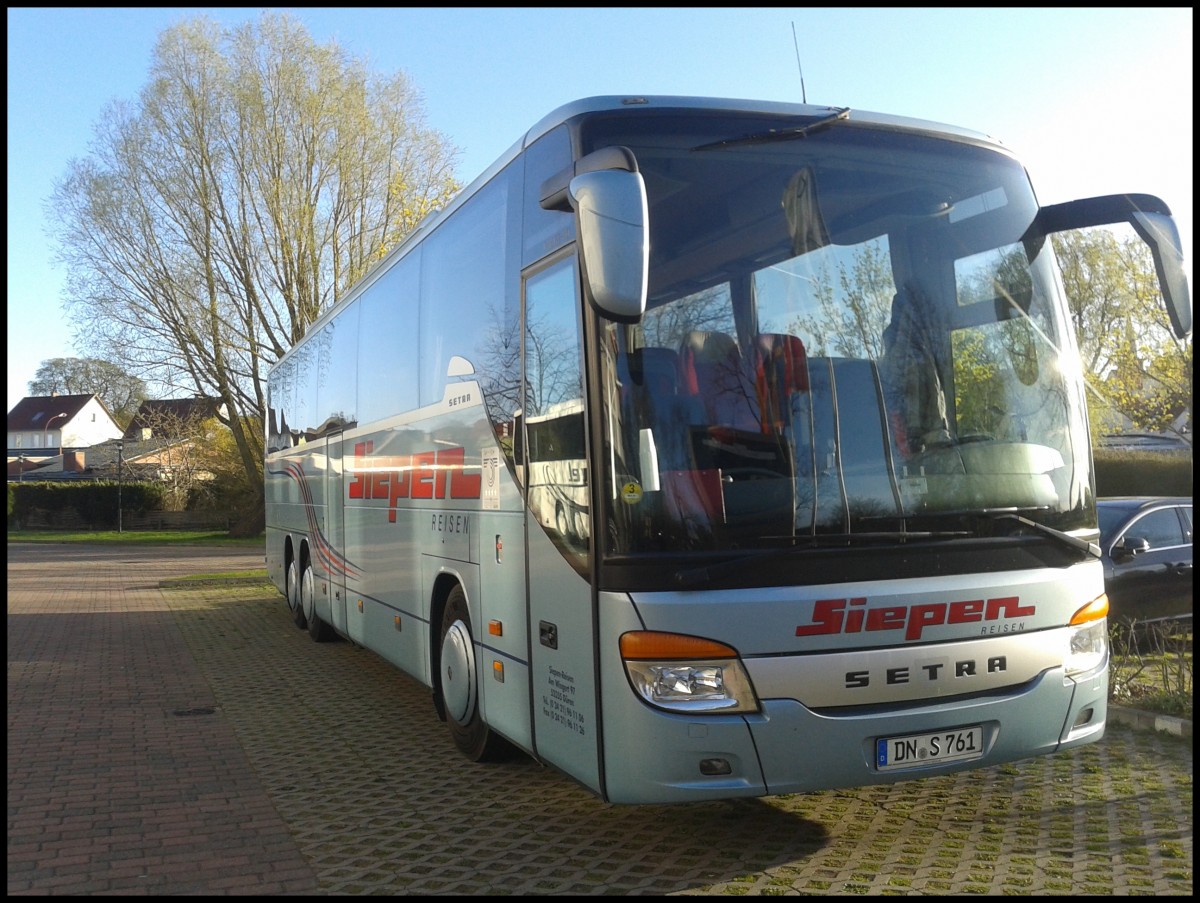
(335, 530)
(561, 626)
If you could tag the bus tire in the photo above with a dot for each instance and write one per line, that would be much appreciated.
(298, 617)
(293, 593)
(459, 685)
(317, 629)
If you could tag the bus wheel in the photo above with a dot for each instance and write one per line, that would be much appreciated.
(459, 684)
(293, 593)
(298, 611)
(317, 629)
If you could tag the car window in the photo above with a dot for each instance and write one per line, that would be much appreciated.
(1111, 518)
(1159, 528)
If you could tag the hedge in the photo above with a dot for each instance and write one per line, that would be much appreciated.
(1142, 473)
(94, 501)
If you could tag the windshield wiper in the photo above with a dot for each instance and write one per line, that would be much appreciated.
(992, 515)
(696, 576)
(1089, 548)
(802, 131)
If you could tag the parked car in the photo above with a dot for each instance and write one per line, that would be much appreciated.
(1146, 545)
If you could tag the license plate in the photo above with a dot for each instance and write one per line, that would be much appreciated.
(956, 745)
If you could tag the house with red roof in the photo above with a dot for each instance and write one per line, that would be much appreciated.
(44, 430)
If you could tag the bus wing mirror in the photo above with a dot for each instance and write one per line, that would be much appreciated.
(613, 225)
(1151, 218)
(1160, 233)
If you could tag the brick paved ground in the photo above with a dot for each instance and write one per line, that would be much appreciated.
(118, 780)
(174, 741)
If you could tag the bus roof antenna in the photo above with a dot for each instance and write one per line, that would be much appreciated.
(803, 93)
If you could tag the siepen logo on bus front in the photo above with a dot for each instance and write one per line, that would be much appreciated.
(851, 616)
(439, 474)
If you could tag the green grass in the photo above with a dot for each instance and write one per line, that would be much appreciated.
(139, 537)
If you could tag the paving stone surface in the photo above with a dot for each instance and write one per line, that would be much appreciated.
(166, 740)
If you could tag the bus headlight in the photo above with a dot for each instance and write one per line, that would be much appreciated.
(1088, 637)
(686, 674)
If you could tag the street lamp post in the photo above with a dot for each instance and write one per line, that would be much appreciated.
(120, 462)
(46, 430)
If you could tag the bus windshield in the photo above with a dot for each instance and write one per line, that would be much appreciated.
(849, 335)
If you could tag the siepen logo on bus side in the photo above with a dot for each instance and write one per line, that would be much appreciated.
(439, 474)
(850, 616)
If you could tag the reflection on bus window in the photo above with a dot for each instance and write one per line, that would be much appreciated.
(556, 473)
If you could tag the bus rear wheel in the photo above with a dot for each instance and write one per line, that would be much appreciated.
(295, 607)
(459, 685)
(317, 629)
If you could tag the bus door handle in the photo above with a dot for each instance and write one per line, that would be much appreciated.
(548, 634)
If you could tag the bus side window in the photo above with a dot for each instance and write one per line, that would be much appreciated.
(544, 231)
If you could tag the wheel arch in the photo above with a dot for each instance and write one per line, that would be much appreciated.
(443, 585)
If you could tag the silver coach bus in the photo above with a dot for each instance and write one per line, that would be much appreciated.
(835, 516)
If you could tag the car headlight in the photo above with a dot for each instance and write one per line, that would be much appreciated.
(1088, 637)
(690, 674)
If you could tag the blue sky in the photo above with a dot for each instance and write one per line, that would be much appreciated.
(1096, 101)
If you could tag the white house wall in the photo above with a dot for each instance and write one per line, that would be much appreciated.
(91, 426)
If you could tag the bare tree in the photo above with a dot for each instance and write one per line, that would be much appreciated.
(176, 441)
(256, 178)
(119, 391)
